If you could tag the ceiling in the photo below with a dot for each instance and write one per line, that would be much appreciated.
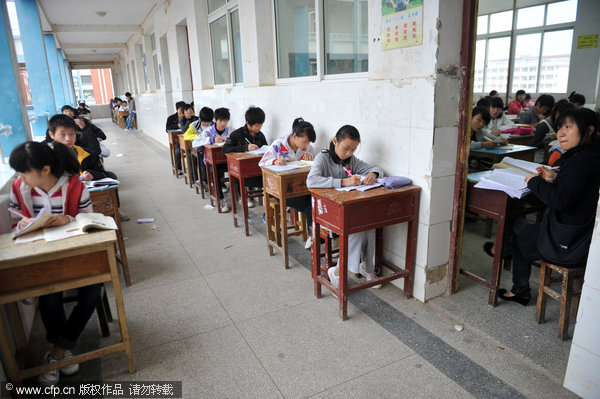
(87, 38)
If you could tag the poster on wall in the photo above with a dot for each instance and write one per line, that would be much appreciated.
(402, 23)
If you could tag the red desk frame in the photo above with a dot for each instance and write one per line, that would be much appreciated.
(241, 165)
(213, 156)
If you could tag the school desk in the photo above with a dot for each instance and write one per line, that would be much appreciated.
(38, 268)
(174, 139)
(104, 200)
(196, 159)
(348, 212)
(520, 139)
(283, 185)
(498, 206)
(213, 156)
(240, 166)
(185, 149)
(523, 152)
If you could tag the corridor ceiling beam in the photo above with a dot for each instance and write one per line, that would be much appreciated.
(92, 45)
(95, 28)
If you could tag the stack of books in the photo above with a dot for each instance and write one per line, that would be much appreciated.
(509, 176)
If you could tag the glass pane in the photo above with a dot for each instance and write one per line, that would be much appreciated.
(496, 70)
(562, 12)
(482, 22)
(296, 38)
(479, 66)
(220, 51)
(556, 54)
(156, 76)
(153, 41)
(530, 17)
(214, 4)
(346, 41)
(501, 21)
(527, 53)
(237, 46)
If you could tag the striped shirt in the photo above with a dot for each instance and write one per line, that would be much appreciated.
(53, 199)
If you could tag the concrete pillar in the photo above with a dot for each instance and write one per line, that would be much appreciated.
(69, 81)
(14, 125)
(36, 63)
(55, 68)
(64, 78)
(258, 52)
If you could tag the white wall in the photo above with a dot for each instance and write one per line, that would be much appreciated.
(584, 76)
(393, 106)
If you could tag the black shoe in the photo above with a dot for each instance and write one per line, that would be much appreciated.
(487, 247)
(518, 299)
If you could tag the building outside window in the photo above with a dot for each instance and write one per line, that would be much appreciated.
(226, 48)
(316, 38)
(542, 37)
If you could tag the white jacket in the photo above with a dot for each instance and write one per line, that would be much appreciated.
(282, 148)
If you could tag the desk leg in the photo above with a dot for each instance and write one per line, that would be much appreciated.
(496, 269)
(284, 232)
(343, 271)
(244, 202)
(121, 308)
(120, 240)
(9, 358)
(378, 251)
(233, 199)
(268, 223)
(316, 253)
(215, 183)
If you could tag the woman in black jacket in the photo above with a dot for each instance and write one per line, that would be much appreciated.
(571, 196)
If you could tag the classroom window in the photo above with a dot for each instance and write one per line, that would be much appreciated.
(548, 25)
(327, 37)
(225, 42)
(215, 4)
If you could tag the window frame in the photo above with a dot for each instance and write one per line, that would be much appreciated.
(513, 34)
(225, 10)
(320, 46)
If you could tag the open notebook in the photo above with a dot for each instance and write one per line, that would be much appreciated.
(509, 180)
(83, 222)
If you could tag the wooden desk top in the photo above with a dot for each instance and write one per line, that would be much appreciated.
(10, 252)
(349, 197)
(302, 169)
(240, 156)
(214, 146)
(174, 131)
(516, 148)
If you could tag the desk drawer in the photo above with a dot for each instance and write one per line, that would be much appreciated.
(102, 202)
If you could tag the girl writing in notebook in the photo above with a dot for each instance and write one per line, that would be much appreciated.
(338, 167)
(49, 178)
(294, 147)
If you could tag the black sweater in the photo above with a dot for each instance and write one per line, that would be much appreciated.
(239, 139)
(574, 192)
(172, 122)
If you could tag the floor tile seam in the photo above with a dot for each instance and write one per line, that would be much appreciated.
(135, 251)
(486, 337)
(413, 354)
(139, 350)
(127, 290)
(274, 311)
(258, 360)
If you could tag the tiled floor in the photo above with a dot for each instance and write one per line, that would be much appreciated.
(209, 307)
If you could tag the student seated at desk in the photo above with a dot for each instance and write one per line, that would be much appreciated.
(49, 177)
(516, 106)
(89, 136)
(338, 167)
(480, 117)
(290, 148)
(189, 116)
(578, 100)
(217, 133)
(173, 124)
(564, 235)
(196, 128)
(545, 131)
(498, 121)
(124, 108)
(248, 138)
(542, 106)
(83, 109)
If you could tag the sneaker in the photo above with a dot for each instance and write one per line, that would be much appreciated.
(264, 218)
(123, 216)
(368, 276)
(308, 243)
(224, 207)
(72, 368)
(179, 172)
(51, 377)
(251, 204)
(226, 188)
(335, 280)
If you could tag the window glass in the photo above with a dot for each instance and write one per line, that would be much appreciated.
(479, 66)
(237, 46)
(561, 12)
(296, 38)
(156, 76)
(214, 4)
(556, 54)
(497, 64)
(153, 41)
(530, 17)
(482, 22)
(527, 53)
(501, 21)
(220, 51)
(346, 39)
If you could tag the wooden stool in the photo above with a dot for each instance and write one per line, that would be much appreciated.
(296, 224)
(328, 237)
(197, 159)
(185, 147)
(568, 292)
(173, 139)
